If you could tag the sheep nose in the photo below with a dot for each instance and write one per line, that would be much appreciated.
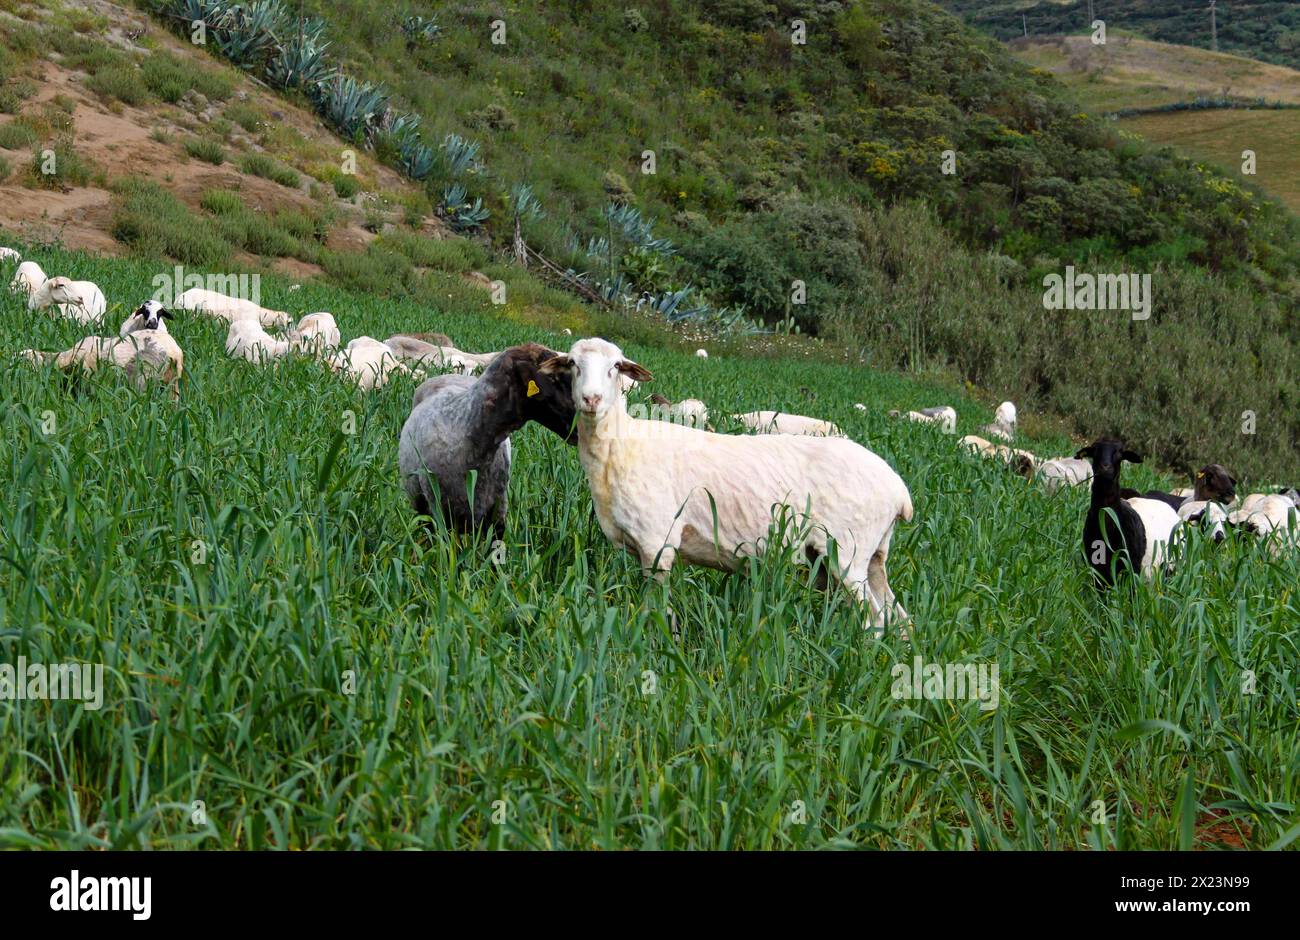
(591, 401)
(1218, 535)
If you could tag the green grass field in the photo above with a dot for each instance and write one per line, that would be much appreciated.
(542, 701)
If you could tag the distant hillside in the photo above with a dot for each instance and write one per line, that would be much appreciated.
(1267, 30)
(1128, 73)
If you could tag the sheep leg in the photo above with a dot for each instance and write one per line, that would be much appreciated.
(878, 579)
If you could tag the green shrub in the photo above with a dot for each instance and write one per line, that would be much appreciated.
(16, 136)
(257, 164)
(59, 165)
(4, 169)
(120, 82)
(346, 185)
(246, 116)
(207, 150)
(154, 223)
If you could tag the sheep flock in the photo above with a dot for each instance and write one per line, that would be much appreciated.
(670, 482)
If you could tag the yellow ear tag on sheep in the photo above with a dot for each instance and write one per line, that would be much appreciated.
(533, 389)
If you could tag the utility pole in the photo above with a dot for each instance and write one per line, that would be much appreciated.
(1214, 28)
(1025, 22)
(1091, 18)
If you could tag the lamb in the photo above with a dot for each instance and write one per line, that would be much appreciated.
(701, 354)
(82, 301)
(369, 363)
(664, 492)
(460, 424)
(1004, 422)
(775, 422)
(229, 308)
(8, 254)
(1063, 471)
(689, 411)
(247, 340)
(1209, 515)
(448, 357)
(1121, 535)
(150, 315)
(143, 354)
(315, 332)
(27, 279)
(945, 417)
(1271, 517)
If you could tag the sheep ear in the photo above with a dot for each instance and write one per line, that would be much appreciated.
(635, 370)
(555, 365)
(1131, 457)
(166, 314)
(1085, 453)
(1232, 480)
(1196, 516)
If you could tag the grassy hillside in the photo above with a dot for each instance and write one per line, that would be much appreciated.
(778, 163)
(1128, 73)
(1268, 30)
(529, 681)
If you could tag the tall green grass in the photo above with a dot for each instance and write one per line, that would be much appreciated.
(524, 681)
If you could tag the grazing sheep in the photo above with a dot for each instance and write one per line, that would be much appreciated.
(434, 339)
(689, 411)
(8, 254)
(776, 422)
(447, 357)
(27, 279)
(143, 354)
(701, 354)
(214, 304)
(1121, 535)
(665, 492)
(369, 363)
(1022, 461)
(247, 340)
(1004, 422)
(1271, 517)
(945, 417)
(315, 332)
(1213, 483)
(82, 301)
(460, 424)
(1210, 516)
(150, 315)
(1063, 471)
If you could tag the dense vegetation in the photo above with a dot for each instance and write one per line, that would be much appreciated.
(285, 645)
(1268, 30)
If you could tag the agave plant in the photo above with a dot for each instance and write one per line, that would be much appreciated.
(300, 61)
(524, 203)
(197, 11)
(420, 29)
(637, 229)
(458, 154)
(416, 158)
(463, 215)
(355, 109)
(246, 33)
